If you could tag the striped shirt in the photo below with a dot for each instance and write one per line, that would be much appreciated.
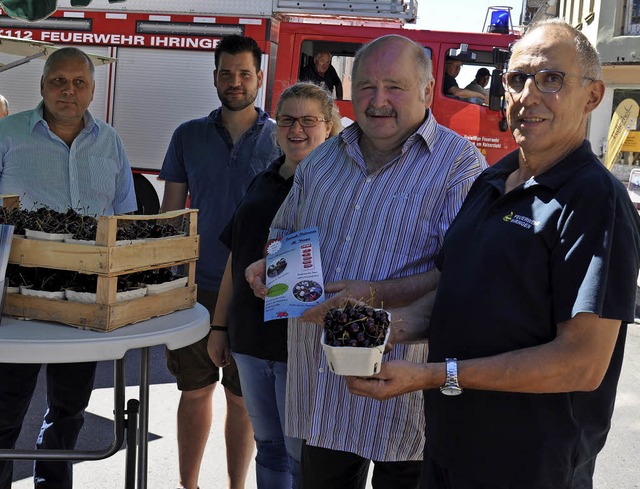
(92, 176)
(385, 225)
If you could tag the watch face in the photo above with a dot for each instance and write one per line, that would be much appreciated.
(450, 390)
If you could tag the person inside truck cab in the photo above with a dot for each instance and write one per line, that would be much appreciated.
(322, 73)
(450, 85)
(480, 82)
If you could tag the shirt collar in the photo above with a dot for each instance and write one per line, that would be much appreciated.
(275, 165)
(273, 171)
(426, 133)
(215, 117)
(555, 177)
(38, 116)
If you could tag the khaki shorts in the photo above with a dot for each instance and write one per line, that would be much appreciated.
(191, 365)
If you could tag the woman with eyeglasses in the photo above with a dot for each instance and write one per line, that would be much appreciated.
(306, 116)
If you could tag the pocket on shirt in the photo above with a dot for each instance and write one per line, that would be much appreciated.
(103, 172)
(405, 220)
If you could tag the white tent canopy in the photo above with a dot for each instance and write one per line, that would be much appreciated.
(29, 50)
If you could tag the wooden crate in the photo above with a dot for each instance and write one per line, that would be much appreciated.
(108, 261)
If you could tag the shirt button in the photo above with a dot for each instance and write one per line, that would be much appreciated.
(338, 269)
(357, 207)
(347, 238)
(368, 180)
(321, 370)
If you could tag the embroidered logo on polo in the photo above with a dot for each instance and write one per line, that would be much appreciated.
(524, 221)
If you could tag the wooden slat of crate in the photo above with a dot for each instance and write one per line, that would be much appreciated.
(99, 317)
(10, 200)
(104, 260)
(107, 225)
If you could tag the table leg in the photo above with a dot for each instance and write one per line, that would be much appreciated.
(143, 430)
(133, 406)
(64, 455)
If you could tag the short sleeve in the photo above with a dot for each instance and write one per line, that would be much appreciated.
(173, 168)
(595, 262)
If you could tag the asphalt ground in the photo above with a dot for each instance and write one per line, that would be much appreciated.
(618, 465)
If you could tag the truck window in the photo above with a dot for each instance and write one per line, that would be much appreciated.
(329, 64)
(467, 76)
(314, 53)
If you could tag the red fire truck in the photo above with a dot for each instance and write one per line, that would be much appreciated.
(163, 75)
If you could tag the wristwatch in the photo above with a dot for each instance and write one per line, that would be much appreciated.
(451, 386)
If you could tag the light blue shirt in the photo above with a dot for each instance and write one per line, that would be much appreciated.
(92, 176)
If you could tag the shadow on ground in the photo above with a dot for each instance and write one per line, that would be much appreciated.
(97, 432)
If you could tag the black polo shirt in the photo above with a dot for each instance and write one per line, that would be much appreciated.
(246, 236)
(449, 82)
(513, 266)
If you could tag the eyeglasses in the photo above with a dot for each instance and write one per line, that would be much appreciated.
(304, 121)
(547, 81)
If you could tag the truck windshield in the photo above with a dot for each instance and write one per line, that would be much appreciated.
(337, 77)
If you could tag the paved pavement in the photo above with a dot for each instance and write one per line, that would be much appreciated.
(617, 466)
(98, 433)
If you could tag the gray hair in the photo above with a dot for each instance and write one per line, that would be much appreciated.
(320, 53)
(423, 65)
(587, 56)
(65, 54)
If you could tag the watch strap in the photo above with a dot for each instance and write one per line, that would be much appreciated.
(451, 386)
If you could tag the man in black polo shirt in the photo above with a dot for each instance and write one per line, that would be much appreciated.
(538, 281)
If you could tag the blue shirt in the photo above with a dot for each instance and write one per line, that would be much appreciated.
(384, 225)
(218, 173)
(92, 176)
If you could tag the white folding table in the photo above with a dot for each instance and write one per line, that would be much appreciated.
(44, 342)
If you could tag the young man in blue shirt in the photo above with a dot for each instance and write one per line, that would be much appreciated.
(213, 159)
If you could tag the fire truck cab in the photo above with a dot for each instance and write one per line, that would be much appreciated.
(164, 50)
(479, 122)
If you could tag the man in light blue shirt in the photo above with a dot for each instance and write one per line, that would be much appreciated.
(59, 156)
(46, 162)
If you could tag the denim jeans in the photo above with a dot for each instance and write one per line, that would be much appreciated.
(69, 387)
(263, 389)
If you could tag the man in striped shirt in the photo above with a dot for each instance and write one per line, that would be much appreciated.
(382, 194)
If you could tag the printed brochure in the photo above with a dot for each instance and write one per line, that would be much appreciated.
(294, 275)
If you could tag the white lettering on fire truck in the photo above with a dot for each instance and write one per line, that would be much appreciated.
(89, 38)
(484, 142)
(115, 39)
(183, 42)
